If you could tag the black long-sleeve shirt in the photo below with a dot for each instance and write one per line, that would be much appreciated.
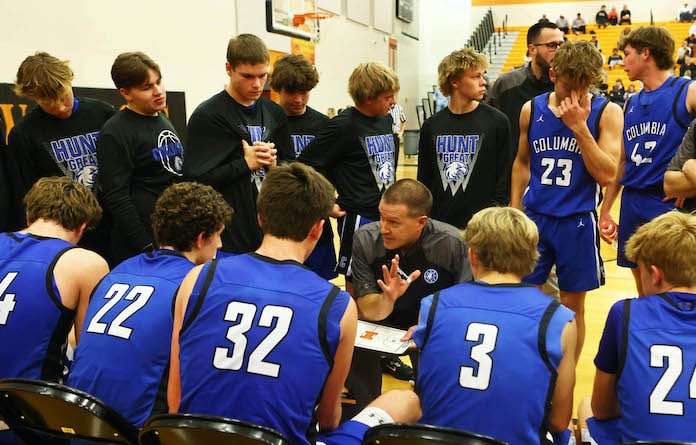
(214, 156)
(465, 160)
(139, 156)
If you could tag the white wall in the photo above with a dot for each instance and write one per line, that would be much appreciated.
(526, 14)
(189, 39)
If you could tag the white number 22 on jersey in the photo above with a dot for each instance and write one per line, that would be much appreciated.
(138, 294)
(673, 370)
(243, 314)
(486, 336)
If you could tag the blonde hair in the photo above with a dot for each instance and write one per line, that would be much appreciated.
(455, 64)
(668, 242)
(370, 79)
(578, 61)
(504, 240)
(43, 76)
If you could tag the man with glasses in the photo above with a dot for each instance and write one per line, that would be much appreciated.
(514, 88)
(569, 149)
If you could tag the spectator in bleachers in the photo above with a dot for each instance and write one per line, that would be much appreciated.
(615, 58)
(544, 18)
(613, 16)
(685, 14)
(593, 40)
(602, 18)
(617, 92)
(579, 25)
(625, 16)
(630, 92)
(684, 50)
(692, 29)
(563, 24)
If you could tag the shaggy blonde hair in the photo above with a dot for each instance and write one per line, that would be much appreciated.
(667, 242)
(457, 63)
(370, 79)
(504, 240)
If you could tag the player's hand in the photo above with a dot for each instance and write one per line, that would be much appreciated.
(409, 334)
(395, 281)
(337, 212)
(678, 202)
(606, 220)
(259, 155)
(266, 153)
(574, 110)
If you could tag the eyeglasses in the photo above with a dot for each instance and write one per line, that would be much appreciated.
(551, 46)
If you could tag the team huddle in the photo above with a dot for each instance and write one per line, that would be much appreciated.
(194, 273)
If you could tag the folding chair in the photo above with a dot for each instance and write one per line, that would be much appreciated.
(34, 406)
(417, 434)
(191, 429)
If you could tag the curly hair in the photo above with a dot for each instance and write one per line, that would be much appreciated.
(185, 210)
(455, 64)
(293, 73)
(578, 61)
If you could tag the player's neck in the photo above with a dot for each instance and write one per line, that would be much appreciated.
(283, 249)
(654, 79)
(495, 277)
(237, 98)
(460, 105)
(51, 229)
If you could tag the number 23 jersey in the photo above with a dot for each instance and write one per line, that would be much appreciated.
(559, 183)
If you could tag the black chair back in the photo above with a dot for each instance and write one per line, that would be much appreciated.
(34, 406)
(418, 434)
(192, 429)
(661, 442)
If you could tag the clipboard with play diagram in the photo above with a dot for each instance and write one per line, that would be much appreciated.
(380, 338)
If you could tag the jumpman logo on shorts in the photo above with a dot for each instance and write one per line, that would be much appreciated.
(580, 223)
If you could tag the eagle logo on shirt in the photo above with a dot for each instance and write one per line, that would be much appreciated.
(380, 151)
(456, 156)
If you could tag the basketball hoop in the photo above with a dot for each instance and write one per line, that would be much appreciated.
(299, 19)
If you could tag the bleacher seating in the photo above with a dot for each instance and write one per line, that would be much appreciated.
(607, 39)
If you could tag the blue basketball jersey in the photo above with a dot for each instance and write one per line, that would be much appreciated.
(258, 341)
(654, 125)
(656, 387)
(34, 324)
(124, 349)
(489, 359)
(559, 183)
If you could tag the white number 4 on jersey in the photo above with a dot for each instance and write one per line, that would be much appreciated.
(7, 303)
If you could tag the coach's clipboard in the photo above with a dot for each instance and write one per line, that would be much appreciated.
(377, 337)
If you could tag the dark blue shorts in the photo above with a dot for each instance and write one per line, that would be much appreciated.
(572, 244)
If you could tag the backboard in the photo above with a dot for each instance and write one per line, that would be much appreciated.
(286, 17)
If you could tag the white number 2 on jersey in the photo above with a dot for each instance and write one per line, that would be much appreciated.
(7, 300)
(673, 370)
(138, 294)
(486, 336)
(243, 314)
